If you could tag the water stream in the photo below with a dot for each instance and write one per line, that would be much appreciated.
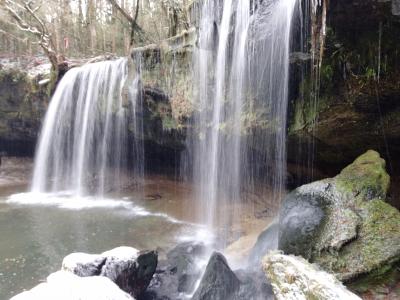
(241, 69)
(83, 146)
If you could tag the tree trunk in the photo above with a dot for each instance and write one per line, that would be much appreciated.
(90, 19)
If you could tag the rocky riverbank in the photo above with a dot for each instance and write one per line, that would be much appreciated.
(339, 228)
(345, 225)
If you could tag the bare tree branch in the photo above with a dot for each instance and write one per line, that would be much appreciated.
(132, 20)
(41, 32)
(137, 11)
(122, 11)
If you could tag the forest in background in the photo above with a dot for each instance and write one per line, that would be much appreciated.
(86, 28)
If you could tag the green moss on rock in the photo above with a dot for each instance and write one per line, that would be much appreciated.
(22, 105)
(376, 247)
(366, 178)
(343, 223)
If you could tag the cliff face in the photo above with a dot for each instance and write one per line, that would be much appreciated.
(166, 80)
(166, 76)
(358, 103)
(356, 108)
(22, 106)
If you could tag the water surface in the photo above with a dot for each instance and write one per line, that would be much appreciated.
(38, 230)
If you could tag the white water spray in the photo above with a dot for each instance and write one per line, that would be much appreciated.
(242, 72)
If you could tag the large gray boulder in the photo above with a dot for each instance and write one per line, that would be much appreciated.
(129, 268)
(343, 223)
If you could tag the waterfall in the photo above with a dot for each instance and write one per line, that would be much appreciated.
(83, 146)
(238, 132)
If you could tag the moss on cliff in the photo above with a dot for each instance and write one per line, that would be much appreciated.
(357, 105)
(22, 106)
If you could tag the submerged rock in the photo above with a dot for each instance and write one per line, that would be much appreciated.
(130, 269)
(64, 285)
(343, 223)
(293, 278)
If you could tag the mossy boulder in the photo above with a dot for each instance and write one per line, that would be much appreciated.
(365, 179)
(343, 223)
(375, 248)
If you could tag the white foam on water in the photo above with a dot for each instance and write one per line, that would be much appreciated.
(69, 201)
(202, 234)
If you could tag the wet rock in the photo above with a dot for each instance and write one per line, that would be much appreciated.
(301, 217)
(266, 241)
(293, 278)
(218, 282)
(64, 285)
(178, 274)
(343, 223)
(130, 269)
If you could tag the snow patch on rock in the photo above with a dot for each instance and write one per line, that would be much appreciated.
(293, 278)
(64, 285)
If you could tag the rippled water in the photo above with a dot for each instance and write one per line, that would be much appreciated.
(38, 230)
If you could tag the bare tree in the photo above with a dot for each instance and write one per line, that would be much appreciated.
(135, 28)
(28, 20)
(82, 28)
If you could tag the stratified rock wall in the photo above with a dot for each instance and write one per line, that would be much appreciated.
(357, 106)
(22, 106)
